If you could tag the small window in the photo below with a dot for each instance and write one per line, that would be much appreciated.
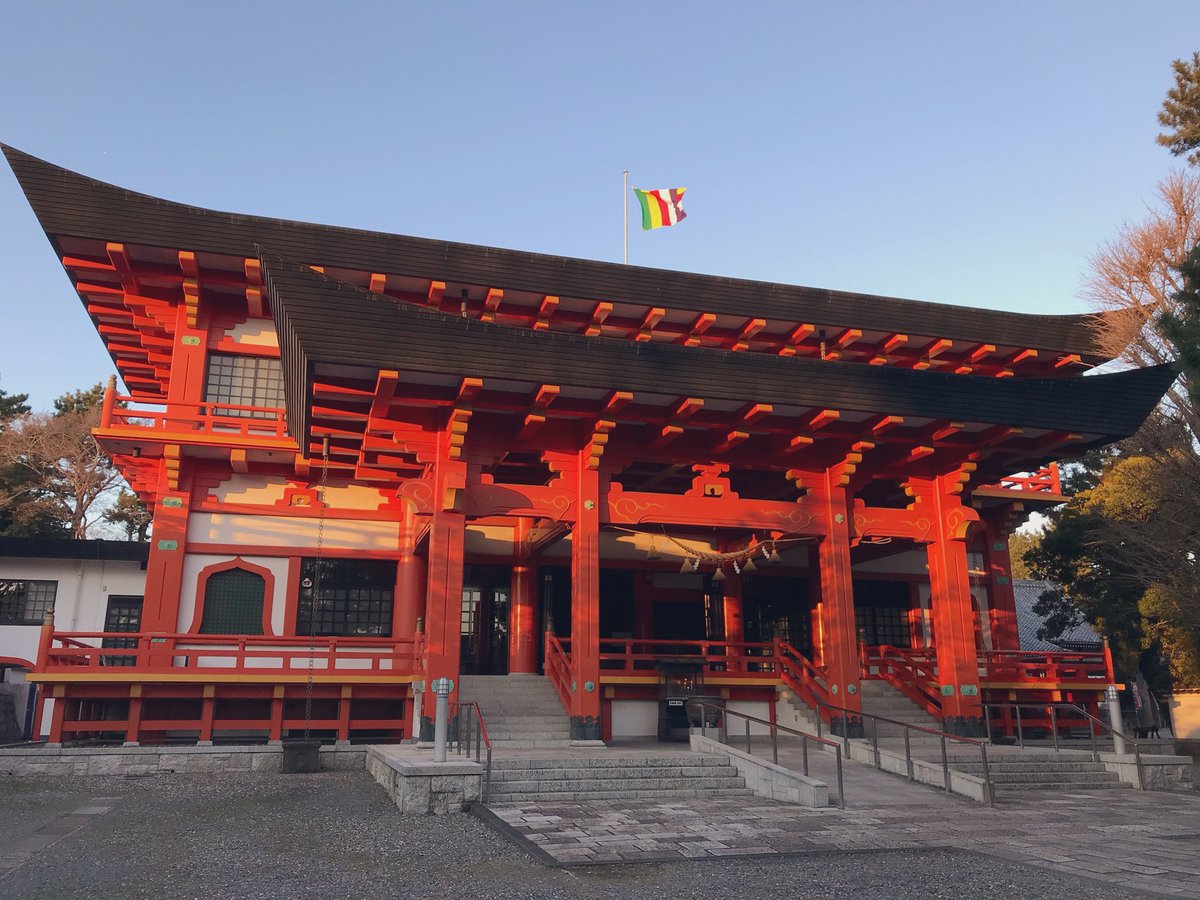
(355, 597)
(244, 381)
(25, 602)
(233, 603)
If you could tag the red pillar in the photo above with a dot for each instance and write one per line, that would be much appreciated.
(1002, 602)
(523, 634)
(953, 618)
(410, 581)
(585, 603)
(164, 568)
(443, 604)
(839, 637)
(731, 615)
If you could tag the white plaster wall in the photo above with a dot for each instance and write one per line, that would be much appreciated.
(634, 718)
(257, 332)
(292, 531)
(80, 602)
(195, 563)
(737, 727)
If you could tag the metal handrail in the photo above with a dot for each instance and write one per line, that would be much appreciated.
(1116, 734)
(468, 730)
(775, 727)
(989, 789)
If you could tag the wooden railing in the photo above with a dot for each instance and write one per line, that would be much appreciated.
(207, 418)
(753, 658)
(912, 672)
(807, 681)
(1044, 481)
(558, 668)
(1023, 667)
(153, 654)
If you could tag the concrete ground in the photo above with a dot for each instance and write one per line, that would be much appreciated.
(337, 835)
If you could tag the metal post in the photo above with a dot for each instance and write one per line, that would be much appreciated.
(1114, 718)
(1137, 757)
(1054, 726)
(775, 744)
(987, 723)
(945, 765)
(875, 739)
(441, 689)
(478, 732)
(748, 748)
(908, 762)
(820, 720)
(987, 776)
(804, 753)
(841, 788)
(724, 726)
(1020, 733)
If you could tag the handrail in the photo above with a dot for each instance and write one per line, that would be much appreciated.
(557, 667)
(160, 653)
(476, 731)
(796, 671)
(204, 416)
(1032, 667)
(1116, 734)
(919, 667)
(775, 729)
(989, 790)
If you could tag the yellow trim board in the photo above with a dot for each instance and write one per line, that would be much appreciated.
(1046, 685)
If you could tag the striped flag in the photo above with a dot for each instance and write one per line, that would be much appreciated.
(661, 208)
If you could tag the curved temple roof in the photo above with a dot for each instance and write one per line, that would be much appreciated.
(68, 204)
(322, 320)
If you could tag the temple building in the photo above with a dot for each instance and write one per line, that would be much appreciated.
(376, 460)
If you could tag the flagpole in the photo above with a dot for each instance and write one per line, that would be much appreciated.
(626, 217)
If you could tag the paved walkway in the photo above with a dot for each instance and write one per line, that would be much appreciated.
(1148, 842)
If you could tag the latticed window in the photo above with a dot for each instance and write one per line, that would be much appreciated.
(25, 602)
(883, 625)
(233, 603)
(244, 381)
(355, 597)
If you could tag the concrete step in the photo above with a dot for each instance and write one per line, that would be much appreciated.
(998, 766)
(525, 744)
(1053, 777)
(1065, 786)
(602, 774)
(569, 796)
(560, 785)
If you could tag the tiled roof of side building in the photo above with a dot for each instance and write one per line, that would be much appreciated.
(1027, 592)
(66, 548)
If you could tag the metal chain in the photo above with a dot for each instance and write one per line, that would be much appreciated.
(316, 589)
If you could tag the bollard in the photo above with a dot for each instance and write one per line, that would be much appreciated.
(441, 689)
(1114, 718)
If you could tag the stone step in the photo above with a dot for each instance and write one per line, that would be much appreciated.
(500, 736)
(617, 762)
(1053, 777)
(1000, 766)
(1065, 786)
(569, 796)
(574, 773)
(587, 786)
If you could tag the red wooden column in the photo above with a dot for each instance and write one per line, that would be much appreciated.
(164, 568)
(731, 615)
(1002, 601)
(443, 603)
(585, 601)
(410, 580)
(839, 636)
(950, 588)
(523, 634)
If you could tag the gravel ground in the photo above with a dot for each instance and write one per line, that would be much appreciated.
(337, 835)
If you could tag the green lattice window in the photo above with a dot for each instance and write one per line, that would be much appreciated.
(233, 603)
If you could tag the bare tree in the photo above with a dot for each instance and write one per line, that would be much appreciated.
(65, 471)
(1133, 279)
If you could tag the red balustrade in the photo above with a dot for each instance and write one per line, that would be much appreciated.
(157, 654)
(912, 672)
(207, 418)
(756, 659)
(1045, 669)
(1044, 481)
(808, 682)
(558, 667)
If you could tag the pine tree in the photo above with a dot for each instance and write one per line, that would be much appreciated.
(1181, 326)
(1181, 111)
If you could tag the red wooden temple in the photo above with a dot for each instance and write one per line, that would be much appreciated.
(376, 460)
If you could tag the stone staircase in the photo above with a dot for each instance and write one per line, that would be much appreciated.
(614, 777)
(520, 712)
(1032, 771)
(881, 699)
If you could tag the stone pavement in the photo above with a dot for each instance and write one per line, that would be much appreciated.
(1143, 841)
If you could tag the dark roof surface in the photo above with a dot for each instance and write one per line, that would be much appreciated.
(320, 319)
(69, 204)
(1027, 593)
(65, 548)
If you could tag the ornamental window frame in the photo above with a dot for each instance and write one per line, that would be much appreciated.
(33, 607)
(239, 379)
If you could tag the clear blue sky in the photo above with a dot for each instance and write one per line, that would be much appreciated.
(958, 152)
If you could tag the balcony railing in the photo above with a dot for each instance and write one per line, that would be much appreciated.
(172, 654)
(1044, 481)
(224, 419)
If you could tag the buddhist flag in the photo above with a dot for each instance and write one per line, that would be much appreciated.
(661, 208)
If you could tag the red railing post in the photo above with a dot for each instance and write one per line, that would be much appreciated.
(110, 401)
(45, 640)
